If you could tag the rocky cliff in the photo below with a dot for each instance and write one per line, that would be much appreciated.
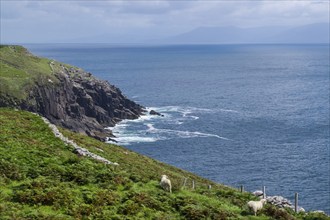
(69, 97)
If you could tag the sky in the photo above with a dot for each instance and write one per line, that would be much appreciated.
(58, 21)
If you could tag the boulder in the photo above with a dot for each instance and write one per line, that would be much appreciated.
(153, 112)
(258, 193)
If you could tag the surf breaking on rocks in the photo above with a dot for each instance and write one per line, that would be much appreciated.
(152, 128)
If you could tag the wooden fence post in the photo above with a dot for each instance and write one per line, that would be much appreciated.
(296, 202)
(242, 188)
(264, 192)
(209, 187)
(193, 184)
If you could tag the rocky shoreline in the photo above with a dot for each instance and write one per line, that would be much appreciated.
(76, 100)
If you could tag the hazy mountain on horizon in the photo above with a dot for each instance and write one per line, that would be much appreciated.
(312, 33)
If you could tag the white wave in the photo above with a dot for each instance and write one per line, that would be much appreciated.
(192, 116)
(152, 134)
(143, 130)
(191, 134)
(142, 118)
(167, 112)
(228, 110)
(126, 140)
(182, 109)
(126, 122)
(182, 134)
(190, 109)
(186, 114)
(150, 127)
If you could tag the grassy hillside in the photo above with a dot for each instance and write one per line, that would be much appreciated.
(42, 178)
(20, 71)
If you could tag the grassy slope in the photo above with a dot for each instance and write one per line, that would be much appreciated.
(42, 178)
(19, 70)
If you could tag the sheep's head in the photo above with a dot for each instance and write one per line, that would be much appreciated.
(164, 177)
(263, 201)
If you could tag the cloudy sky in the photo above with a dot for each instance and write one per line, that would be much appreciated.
(40, 21)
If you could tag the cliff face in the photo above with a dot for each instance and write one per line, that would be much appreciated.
(83, 103)
(74, 99)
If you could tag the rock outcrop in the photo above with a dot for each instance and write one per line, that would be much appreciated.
(76, 100)
(153, 112)
(278, 201)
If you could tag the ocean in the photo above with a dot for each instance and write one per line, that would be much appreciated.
(251, 115)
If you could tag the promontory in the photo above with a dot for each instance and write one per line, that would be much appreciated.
(66, 95)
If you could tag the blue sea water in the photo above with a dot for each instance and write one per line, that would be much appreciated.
(252, 115)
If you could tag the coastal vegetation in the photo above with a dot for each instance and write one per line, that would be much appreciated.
(41, 177)
(20, 70)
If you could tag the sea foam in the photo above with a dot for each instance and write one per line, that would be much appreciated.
(143, 129)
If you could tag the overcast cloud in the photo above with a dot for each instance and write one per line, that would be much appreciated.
(131, 21)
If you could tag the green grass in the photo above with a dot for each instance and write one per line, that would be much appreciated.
(20, 71)
(41, 178)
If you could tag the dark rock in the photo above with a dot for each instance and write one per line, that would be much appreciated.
(153, 112)
(79, 102)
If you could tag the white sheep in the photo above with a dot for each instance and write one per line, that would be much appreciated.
(256, 205)
(165, 183)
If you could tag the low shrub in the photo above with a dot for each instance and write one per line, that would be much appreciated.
(129, 208)
(277, 213)
(10, 170)
(315, 216)
(44, 192)
(194, 212)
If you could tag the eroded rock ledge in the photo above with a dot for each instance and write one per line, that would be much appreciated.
(78, 101)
